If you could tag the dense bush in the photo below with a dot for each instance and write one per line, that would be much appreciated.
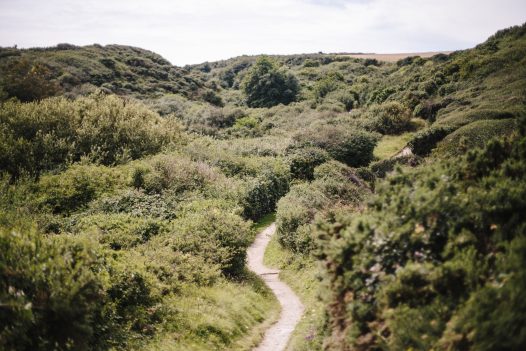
(390, 118)
(220, 238)
(335, 184)
(265, 85)
(137, 203)
(426, 140)
(120, 231)
(304, 160)
(295, 210)
(64, 294)
(353, 147)
(175, 173)
(76, 187)
(327, 84)
(44, 135)
(475, 135)
(263, 192)
(27, 81)
(433, 256)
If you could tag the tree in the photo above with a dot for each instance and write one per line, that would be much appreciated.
(266, 85)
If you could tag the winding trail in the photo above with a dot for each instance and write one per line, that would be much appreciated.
(277, 336)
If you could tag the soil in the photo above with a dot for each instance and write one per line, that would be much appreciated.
(278, 335)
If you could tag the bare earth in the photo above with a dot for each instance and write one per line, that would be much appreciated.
(277, 336)
(396, 57)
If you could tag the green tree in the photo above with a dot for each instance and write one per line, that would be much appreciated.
(265, 85)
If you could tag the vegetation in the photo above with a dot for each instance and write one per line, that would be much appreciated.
(265, 85)
(129, 189)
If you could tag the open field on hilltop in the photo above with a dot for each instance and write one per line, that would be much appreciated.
(397, 56)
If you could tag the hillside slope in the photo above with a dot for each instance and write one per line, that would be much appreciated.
(127, 201)
(118, 69)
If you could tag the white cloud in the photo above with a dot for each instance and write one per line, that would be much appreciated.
(191, 31)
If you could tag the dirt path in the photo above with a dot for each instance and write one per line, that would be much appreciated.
(277, 336)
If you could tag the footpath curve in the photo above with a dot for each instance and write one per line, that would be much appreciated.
(278, 335)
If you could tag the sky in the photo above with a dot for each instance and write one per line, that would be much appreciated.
(194, 31)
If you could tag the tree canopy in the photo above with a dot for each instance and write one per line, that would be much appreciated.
(266, 85)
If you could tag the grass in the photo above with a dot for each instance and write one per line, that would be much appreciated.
(389, 145)
(264, 222)
(231, 315)
(300, 273)
(227, 316)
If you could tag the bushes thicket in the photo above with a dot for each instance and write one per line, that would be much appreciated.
(265, 85)
(353, 147)
(431, 255)
(44, 135)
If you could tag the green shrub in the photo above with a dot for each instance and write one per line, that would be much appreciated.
(475, 135)
(422, 260)
(178, 174)
(295, 210)
(27, 81)
(137, 203)
(329, 83)
(44, 135)
(426, 140)
(353, 147)
(53, 294)
(303, 161)
(120, 231)
(390, 118)
(220, 238)
(339, 182)
(265, 85)
(76, 187)
(263, 192)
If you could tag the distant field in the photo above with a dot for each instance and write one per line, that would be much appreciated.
(396, 57)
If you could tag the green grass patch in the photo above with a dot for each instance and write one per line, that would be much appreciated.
(264, 222)
(389, 145)
(226, 316)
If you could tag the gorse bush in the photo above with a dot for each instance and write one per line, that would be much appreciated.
(390, 118)
(334, 184)
(263, 192)
(218, 237)
(304, 160)
(64, 294)
(76, 187)
(426, 140)
(424, 259)
(265, 85)
(40, 136)
(353, 147)
(28, 81)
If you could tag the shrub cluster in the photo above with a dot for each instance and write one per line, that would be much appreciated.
(334, 184)
(353, 147)
(437, 254)
(44, 135)
(265, 85)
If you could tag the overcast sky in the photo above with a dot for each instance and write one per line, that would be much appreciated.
(193, 31)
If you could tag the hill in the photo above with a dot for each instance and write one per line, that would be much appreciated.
(118, 69)
(130, 190)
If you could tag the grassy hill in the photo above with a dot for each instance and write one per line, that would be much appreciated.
(118, 69)
(129, 189)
